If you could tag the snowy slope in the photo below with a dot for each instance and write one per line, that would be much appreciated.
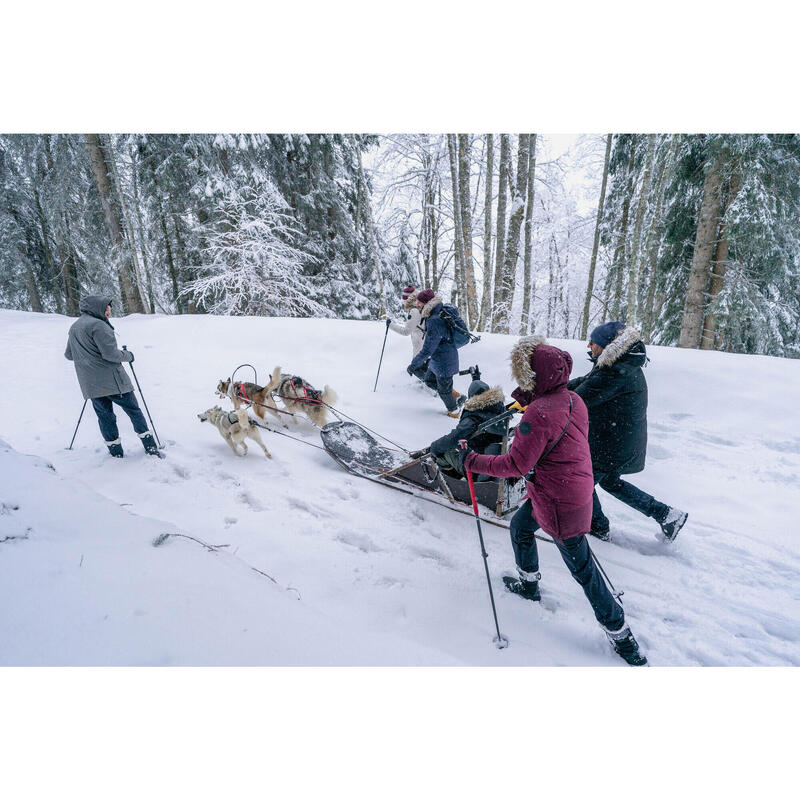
(364, 575)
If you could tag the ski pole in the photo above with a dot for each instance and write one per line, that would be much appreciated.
(77, 426)
(388, 322)
(499, 640)
(133, 372)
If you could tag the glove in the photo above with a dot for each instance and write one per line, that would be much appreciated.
(130, 354)
(420, 453)
(515, 406)
(388, 322)
(410, 371)
(463, 451)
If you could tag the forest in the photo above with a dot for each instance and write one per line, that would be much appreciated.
(691, 238)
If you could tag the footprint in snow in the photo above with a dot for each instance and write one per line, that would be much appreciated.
(230, 521)
(360, 541)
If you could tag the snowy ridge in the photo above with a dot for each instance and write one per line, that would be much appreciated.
(381, 577)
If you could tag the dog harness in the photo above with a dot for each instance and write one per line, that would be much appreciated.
(310, 396)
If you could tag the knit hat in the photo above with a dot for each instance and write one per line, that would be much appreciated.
(426, 295)
(604, 334)
(477, 387)
(407, 292)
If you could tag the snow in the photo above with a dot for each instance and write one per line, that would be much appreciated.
(308, 565)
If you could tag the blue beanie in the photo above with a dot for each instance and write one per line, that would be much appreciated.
(604, 334)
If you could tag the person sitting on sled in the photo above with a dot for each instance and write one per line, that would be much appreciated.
(484, 404)
(550, 449)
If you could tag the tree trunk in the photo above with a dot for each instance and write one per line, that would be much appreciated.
(127, 226)
(131, 299)
(596, 244)
(34, 297)
(654, 238)
(618, 267)
(634, 265)
(500, 238)
(511, 253)
(486, 298)
(459, 276)
(524, 327)
(466, 228)
(719, 265)
(140, 227)
(704, 244)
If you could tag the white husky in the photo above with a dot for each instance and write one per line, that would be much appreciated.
(234, 427)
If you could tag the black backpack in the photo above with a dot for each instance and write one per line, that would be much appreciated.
(459, 333)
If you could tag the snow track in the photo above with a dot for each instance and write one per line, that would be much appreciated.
(383, 577)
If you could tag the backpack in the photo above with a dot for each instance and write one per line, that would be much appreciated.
(459, 333)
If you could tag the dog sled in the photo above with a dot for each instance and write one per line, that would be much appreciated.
(361, 454)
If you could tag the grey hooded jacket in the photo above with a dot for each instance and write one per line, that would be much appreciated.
(92, 347)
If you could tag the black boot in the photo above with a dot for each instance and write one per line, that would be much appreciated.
(626, 646)
(602, 534)
(150, 446)
(529, 589)
(672, 522)
(115, 448)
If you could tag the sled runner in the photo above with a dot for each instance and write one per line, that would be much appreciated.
(361, 454)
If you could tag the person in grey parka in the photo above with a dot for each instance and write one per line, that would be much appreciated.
(92, 347)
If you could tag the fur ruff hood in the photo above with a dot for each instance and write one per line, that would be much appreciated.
(430, 305)
(617, 348)
(410, 302)
(485, 399)
(521, 369)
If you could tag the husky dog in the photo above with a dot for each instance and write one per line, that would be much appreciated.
(234, 427)
(299, 395)
(244, 394)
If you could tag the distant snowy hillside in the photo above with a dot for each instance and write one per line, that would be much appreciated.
(362, 574)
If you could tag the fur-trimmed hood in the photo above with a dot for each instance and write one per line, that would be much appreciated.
(430, 305)
(618, 347)
(521, 369)
(485, 399)
(538, 367)
(411, 301)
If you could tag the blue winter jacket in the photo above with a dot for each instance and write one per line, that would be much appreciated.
(438, 345)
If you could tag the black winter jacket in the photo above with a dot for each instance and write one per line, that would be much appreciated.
(477, 410)
(615, 392)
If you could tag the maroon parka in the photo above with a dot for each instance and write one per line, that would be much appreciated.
(562, 485)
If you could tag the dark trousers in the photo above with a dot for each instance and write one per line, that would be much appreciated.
(444, 386)
(629, 494)
(108, 421)
(576, 555)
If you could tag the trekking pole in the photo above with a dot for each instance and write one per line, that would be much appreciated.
(614, 592)
(499, 640)
(388, 322)
(133, 372)
(77, 426)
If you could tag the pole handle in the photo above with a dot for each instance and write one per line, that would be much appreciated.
(462, 445)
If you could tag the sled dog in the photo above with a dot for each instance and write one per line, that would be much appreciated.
(234, 427)
(260, 397)
(300, 396)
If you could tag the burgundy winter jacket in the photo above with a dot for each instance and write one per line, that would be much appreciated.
(562, 485)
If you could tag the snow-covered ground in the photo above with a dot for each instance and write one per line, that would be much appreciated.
(356, 573)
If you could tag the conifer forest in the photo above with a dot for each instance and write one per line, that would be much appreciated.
(693, 239)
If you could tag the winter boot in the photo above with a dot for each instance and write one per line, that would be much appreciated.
(460, 399)
(115, 448)
(150, 446)
(672, 522)
(626, 646)
(454, 414)
(524, 587)
(600, 533)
